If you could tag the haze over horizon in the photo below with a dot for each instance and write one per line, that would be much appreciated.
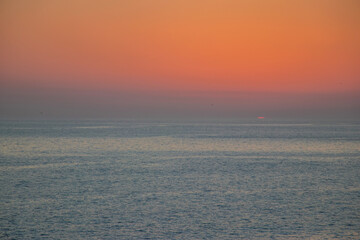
(180, 59)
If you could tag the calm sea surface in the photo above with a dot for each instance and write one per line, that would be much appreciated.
(167, 180)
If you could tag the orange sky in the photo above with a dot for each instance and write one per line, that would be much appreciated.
(251, 45)
(237, 58)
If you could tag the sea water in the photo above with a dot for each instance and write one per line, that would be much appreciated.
(179, 180)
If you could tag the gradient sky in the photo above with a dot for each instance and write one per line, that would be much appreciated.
(205, 58)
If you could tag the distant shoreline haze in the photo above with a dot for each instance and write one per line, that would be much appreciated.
(83, 104)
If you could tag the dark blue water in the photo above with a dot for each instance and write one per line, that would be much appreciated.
(167, 180)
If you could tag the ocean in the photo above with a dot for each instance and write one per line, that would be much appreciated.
(179, 180)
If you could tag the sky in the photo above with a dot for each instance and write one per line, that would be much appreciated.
(281, 59)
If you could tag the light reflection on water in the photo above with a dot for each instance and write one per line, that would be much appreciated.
(128, 180)
(43, 146)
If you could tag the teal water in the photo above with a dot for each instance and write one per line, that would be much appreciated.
(168, 180)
